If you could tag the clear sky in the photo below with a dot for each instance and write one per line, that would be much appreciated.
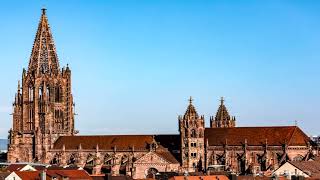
(135, 63)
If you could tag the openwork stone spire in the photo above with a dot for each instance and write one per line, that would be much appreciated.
(43, 58)
(222, 118)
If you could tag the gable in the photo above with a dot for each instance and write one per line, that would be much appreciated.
(27, 168)
(151, 158)
(289, 169)
(13, 175)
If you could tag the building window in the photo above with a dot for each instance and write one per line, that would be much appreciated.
(193, 133)
(193, 144)
(193, 155)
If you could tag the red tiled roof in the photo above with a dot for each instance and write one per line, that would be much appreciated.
(71, 174)
(121, 142)
(28, 175)
(278, 135)
(15, 167)
(18, 167)
(216, 177)
(312, 168)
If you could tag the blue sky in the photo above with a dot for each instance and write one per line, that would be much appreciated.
(135, 63)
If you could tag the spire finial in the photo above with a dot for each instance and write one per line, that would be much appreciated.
(222, 100)
(190, 100)
(43, 10)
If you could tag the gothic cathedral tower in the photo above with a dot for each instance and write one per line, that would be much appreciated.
(43, 105)
(191, 127)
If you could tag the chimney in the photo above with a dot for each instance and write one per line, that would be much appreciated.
(43, 175)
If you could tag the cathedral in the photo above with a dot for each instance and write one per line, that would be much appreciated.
(43, 131)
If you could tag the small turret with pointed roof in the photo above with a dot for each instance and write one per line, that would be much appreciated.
(191, 111)
(222, 118)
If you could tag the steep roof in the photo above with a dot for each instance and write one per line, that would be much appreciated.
(273, 135)
(222, 113)
(191, 111)
(43, 56)
(120, 142)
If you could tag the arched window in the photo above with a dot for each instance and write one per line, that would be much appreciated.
(201, 134)
(48, 93)
(193, 133)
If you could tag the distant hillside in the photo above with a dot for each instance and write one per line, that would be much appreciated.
(3, 144)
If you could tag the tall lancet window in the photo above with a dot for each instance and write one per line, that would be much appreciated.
(31, 94)
(48, 93)
(41, 92)
(58, 94)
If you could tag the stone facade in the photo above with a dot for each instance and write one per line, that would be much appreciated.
(43, 131)
(43, 103)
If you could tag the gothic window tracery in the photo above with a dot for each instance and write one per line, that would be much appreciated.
(31, 93)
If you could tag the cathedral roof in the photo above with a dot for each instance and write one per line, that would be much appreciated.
(222, 113)
(191, 111)
(43, 57)
(256, 136)
(120, 142)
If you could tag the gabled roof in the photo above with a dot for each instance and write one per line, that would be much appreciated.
(312, 168)
(120, 142)
(71, 174)
(43, 56)
(28, 175)
(158, 157)
(167, 156)
(24, 167)
(211, 177)
(256, 136)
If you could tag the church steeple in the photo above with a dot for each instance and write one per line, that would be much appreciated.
(222, 118)
(43, 57)
(43, 109)
(191, 111)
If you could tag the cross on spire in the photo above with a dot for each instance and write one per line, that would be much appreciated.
(190, 100)
(43, 10)
(222, 100)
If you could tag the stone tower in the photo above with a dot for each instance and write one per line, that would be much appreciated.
(43, 105)
(191, 127)
(222, 118)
